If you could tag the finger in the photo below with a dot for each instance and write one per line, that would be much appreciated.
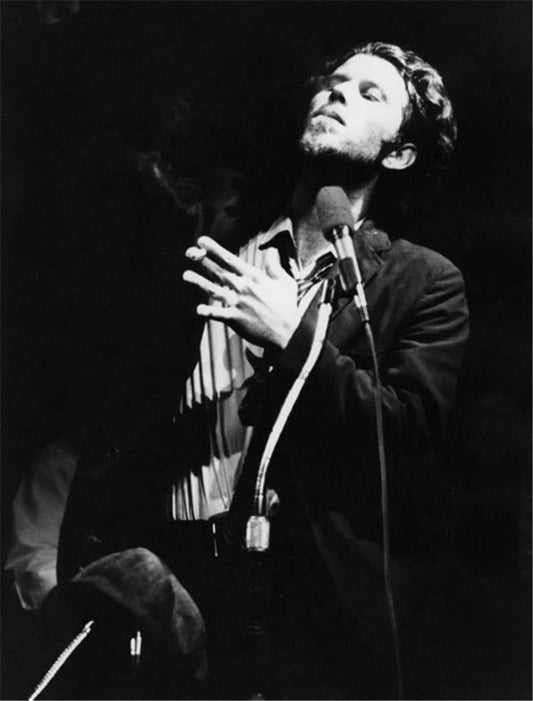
(225, 259)
(195, 253)
(220, 275)
(203, 283)
(199, 255)
(209, 311)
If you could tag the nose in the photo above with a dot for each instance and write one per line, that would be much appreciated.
(337, 93)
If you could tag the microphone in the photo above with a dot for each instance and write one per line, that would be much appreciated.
(337, 224)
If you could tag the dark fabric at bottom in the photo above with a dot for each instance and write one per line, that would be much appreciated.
(272, 624)
(272, 627)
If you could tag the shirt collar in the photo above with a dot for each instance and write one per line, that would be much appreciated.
(282, 232)
(369, 242)
(281, 227)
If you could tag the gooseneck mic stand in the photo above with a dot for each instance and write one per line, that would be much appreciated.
(258, 525)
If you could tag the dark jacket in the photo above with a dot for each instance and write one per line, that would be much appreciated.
(419, 319)
(325, 469)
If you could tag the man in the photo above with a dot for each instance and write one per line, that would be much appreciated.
(378, 114)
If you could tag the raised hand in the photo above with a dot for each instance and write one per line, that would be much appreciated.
(261, 306)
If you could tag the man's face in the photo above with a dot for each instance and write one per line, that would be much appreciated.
(358, 110)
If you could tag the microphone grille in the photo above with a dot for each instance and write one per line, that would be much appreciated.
(333, 208)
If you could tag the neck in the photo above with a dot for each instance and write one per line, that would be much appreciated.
(309, 239)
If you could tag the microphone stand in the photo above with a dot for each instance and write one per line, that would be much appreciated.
(258, 525)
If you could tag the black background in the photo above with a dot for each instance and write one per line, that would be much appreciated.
(78, 93)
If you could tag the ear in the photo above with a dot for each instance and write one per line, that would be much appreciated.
(400, 158)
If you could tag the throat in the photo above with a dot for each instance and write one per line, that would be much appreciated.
(308, 237)
(310, 243)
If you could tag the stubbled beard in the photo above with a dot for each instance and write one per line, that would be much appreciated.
(310, 143)
(353, 166)
(325, 157)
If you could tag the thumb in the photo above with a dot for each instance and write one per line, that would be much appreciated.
(273, 266)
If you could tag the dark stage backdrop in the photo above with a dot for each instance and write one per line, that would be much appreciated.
(85, 85)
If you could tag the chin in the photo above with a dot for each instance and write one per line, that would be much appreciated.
(314, 143)
(345, 166)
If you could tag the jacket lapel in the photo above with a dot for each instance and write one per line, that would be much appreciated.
(369, 245)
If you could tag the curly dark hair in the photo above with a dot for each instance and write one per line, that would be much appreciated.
(429, 120)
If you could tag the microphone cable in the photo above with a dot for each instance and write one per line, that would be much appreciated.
(385, 511)
(336, 221)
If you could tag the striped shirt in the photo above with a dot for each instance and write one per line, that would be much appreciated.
(218, 384)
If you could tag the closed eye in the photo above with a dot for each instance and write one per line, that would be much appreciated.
(371, 91)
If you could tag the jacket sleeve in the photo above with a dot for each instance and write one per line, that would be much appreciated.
(419, 366)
